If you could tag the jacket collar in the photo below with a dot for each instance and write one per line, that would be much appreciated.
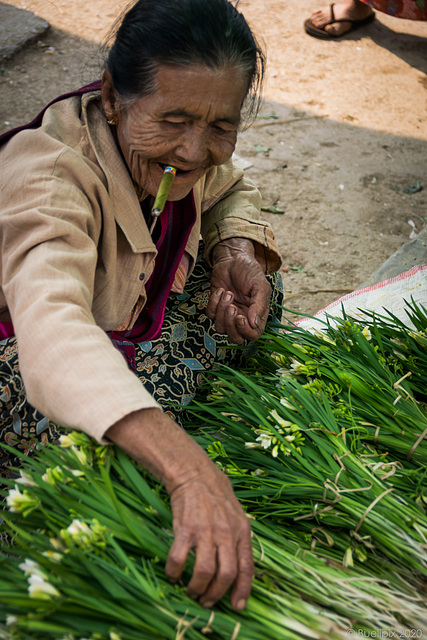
(128, 214)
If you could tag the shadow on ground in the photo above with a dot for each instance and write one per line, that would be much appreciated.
(412, 49)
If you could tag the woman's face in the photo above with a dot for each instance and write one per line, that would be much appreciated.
(190, 122)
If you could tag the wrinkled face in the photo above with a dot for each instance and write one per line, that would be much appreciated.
(190, 122)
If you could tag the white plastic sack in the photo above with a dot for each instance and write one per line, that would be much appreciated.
(389, 295)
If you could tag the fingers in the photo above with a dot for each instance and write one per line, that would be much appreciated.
(260, 307)
(204, 570)
(257, 319)
(234, 567)
(214, 573)
(219, 531)
(228, 320)
(224, 309)
(245, 331)
(216, 570)
(214, 300)
(245, 574)
(177, 556)
(225, 315)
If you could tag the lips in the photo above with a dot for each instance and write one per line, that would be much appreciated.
(182, 172)
(164, 165)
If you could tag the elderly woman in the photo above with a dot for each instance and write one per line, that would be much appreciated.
(110, 322)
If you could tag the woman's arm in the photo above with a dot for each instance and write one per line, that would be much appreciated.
(207, 516)
(241, 250)
(231, 208)
(50, 224)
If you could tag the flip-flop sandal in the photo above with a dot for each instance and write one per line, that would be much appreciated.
(318, 32)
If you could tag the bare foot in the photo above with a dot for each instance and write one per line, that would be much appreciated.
(352, 9)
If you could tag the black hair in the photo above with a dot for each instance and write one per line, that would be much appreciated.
(182, 32)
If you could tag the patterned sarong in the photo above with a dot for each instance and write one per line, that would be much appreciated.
(170, 367)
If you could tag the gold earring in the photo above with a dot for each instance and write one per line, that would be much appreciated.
(112, 121)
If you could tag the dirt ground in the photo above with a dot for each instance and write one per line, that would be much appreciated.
(340, 146)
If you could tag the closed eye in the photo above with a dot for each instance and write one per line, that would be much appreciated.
(224, 127)
(174, 123)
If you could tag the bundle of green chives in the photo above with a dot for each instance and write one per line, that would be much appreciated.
(337, 505)
(321, 480)
(91, 538)
(335, 426)
(380, 362)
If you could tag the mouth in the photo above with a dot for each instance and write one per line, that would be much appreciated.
(179, 172)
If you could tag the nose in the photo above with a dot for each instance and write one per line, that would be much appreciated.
(193, 147)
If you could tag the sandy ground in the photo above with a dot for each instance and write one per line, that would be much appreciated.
(340, 146)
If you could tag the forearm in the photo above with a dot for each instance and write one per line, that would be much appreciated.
(162, 447)
(229, 248)
(236, 215)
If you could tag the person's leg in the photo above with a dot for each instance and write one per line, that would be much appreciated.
(347, 13)
(21, 426)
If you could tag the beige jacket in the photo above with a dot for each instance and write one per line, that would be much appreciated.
(76, 252)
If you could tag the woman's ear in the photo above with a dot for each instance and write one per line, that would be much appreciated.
(109, 101)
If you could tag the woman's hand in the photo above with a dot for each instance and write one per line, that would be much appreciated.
(240, 294)
(209, 519)
(207, 516)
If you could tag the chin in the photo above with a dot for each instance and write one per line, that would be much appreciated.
(179, 194)
(181, 187)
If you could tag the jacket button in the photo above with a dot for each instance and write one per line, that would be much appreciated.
(141, 276)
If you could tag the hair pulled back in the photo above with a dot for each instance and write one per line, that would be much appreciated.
(212, 33)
